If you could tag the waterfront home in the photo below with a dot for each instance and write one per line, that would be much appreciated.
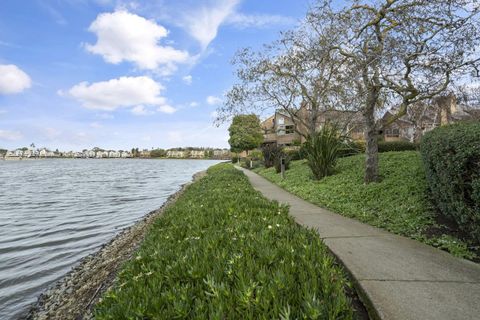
(102, 154)
(10, 154)
(45, 153)
(145, 153)
(221, 154)
(178, 154)
(29, 153)
(18, 153)
(113, 154)
(197, 154)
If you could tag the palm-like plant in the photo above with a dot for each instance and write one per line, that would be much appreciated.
(323, 148)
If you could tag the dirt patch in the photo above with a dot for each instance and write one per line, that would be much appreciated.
(75, 295)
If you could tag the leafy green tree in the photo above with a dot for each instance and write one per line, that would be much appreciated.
(245, 133)
(158, 153)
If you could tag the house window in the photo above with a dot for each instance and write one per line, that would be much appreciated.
(392, 133)
(281, 120)
(289, 129)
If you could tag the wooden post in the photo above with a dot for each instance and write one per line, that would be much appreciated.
(282, 167)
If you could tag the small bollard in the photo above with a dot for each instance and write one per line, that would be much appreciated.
(282, 167)
(251, 164)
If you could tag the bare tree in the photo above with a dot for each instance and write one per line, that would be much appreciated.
(404, 52)
(469, 95)
(297, 74)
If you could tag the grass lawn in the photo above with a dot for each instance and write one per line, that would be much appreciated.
(398, 203)
(222, 251)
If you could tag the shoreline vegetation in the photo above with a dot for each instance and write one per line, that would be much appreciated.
(75, 294)
(398, 203)
(224, 251)
(215, 249)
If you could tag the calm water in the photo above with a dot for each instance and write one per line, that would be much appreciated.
(55, 212)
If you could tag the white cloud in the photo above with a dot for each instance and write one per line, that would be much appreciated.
(167, 109)
(203, 23)
(10, 135)
(193, 104)
(140, 110)
(259, 20)
(214, 114)
(116, 93)
(187, 79)
(3, 111)
(13, 79)
(213, 101)
(123, 36)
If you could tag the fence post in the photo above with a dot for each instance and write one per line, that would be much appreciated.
(282, 167)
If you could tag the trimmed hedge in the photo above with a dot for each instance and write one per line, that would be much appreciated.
(451, 155)
(387, 146)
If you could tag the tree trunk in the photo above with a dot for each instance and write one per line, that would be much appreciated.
(371, 139)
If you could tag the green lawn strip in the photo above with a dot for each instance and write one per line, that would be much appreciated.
(398, 203)
(222, 251)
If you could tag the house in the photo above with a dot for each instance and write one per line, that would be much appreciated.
(424, 117)
(90, 154)
(178, 154)
(10, 154)
(29, 153)
(113, 154)
(283, 129)
(420, 118)
(221, 154)
(43, 153)
(145, 153)
(125, 154)
(19, 153)
(197, 154)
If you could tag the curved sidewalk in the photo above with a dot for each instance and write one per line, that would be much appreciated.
(396, 277)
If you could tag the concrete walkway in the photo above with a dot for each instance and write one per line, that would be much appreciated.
(396, 277)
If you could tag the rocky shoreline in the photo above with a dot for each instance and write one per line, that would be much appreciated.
(75, 295)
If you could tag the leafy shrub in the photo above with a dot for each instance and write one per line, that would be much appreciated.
(451, 155)
(323, 149)
(256, 155)
(251, 163)
(295, 154)
(272, 155)
(270, 151)
(235, 159)
(386, 146)
(351, 148)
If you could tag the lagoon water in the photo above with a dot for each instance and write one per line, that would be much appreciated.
(55, 212)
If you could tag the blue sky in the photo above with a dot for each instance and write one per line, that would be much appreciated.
(76, 74)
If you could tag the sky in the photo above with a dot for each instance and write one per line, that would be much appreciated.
(78, 74)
